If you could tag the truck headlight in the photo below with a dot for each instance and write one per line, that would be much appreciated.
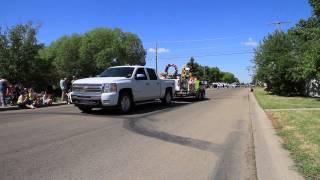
(109, 87)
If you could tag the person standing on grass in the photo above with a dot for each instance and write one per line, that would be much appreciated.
(3, 91)
(63, 83)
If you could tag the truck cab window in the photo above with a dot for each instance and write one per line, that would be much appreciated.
(152, 74)
(140, 72)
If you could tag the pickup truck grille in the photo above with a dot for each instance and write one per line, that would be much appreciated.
(87, 88)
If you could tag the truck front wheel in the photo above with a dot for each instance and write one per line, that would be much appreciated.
(125, 102)
(85, 109)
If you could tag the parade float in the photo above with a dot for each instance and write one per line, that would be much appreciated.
(186, 84)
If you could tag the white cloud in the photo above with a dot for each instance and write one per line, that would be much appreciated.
(160, 50)
(250, 42)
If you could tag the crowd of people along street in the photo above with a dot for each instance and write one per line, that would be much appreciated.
(28, 98)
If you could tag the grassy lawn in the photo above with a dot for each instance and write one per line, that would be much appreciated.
(268, 101)
(299, 129)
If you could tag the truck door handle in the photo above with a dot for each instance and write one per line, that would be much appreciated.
(158, 83)
(147, 84)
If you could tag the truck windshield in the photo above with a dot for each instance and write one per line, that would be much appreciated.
(118, 72)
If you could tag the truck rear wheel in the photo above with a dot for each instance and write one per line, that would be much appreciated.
(125, 102)
(167, 99)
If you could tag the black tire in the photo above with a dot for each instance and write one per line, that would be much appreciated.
(85, 109)
(125, 103)
(167, 99)
(202, 95)
(197, 96)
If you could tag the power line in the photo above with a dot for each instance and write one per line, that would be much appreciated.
(201, 53)
(278, 24)
(192, 40)
(204, 39)
(209, 55)
(183, 41)
(204, 48)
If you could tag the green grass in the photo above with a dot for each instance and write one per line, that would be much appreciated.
(268, 101)
(300, 129)
(301, 133)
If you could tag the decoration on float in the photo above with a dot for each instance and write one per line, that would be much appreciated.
(166, 73)
(186, 72)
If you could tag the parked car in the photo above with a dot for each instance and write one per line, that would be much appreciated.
(121, 87)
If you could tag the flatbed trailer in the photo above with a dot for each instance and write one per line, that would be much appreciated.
(197, 94)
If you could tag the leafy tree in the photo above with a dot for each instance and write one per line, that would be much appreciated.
(306, 36)
(288, 61)
(213, 74)
(278, 66)
(194, 66)
(19, 59)
(90, 53)
(97, 50)
(228, 77)
(104, 47)
(130, 50)
(315, 4)
(64, 55)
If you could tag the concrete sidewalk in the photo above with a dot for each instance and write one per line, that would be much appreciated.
(272, 161)
(8, 108)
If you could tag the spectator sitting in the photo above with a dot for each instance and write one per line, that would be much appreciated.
(47, 99)
(35, 98)
(24, 101)
(32, 96)
(48, 95)
(15, 94)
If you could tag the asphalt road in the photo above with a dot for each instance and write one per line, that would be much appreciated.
(211, 139)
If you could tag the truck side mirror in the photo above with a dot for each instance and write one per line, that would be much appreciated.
(141, 77)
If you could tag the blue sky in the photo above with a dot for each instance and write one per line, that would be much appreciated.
(216, 33)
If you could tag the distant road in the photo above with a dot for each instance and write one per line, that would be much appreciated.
(188, 140)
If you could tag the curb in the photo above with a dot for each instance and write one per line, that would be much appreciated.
(294, 109)
(11, 108)
(272, 161)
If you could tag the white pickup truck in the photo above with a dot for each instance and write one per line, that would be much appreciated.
(122, 87)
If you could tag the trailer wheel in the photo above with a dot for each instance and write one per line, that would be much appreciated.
(197, 96)
(202, 95)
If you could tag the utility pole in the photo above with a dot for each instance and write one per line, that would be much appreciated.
(156, 57)
(204, 72)
(279, 23)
